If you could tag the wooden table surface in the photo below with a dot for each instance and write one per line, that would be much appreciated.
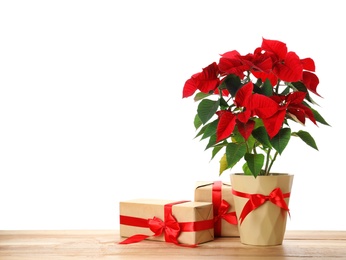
(103, 244)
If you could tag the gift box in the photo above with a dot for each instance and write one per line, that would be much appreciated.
(220, 194)
(179, 222)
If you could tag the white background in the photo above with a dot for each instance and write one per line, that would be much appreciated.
(91, 108)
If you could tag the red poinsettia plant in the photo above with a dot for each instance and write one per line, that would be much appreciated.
(246, 103)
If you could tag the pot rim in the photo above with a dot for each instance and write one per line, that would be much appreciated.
(272, 174)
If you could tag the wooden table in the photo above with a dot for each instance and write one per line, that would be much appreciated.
(103, 244)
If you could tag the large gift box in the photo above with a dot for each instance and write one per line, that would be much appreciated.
(179, 222)
(220, 194)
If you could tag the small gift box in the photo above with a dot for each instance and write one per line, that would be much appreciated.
(220, 194)
(178, 222)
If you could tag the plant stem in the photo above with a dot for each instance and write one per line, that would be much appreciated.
(271, 163)
(266, 172)
(247, 146)
(220, 93)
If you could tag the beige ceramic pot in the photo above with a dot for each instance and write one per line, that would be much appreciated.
(261, 205)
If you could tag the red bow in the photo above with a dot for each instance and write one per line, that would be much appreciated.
(256, 200)
(230, 217)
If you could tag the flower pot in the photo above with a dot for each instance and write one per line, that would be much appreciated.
(261, 205)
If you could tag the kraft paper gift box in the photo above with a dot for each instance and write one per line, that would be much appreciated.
(194, 219)
(220, 194)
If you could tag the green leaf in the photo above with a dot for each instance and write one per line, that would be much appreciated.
(212, 142)
(223, 164)
(236, 136)
(267, 88)
(201, 131)
(206, 109)
(251, 141)
(234, 153)
(257, 86)
(318, 117)
(258, 122)
(254, 162)
(246, 169)
(298, 85)
(197, 122)
(200, 95)
(223, 103)
(232, 83)
(216, 149)
(280, 141)
(261, 135)
(285, 91)
(307, 138)
(210, 129)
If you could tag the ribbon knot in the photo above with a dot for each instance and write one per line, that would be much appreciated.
(222, 213)
(170, 228)
(256, 200)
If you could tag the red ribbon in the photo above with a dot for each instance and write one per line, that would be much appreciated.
(256, 200)
(221, 207)
(170, 227)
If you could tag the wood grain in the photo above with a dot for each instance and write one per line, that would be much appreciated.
(103, 244)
